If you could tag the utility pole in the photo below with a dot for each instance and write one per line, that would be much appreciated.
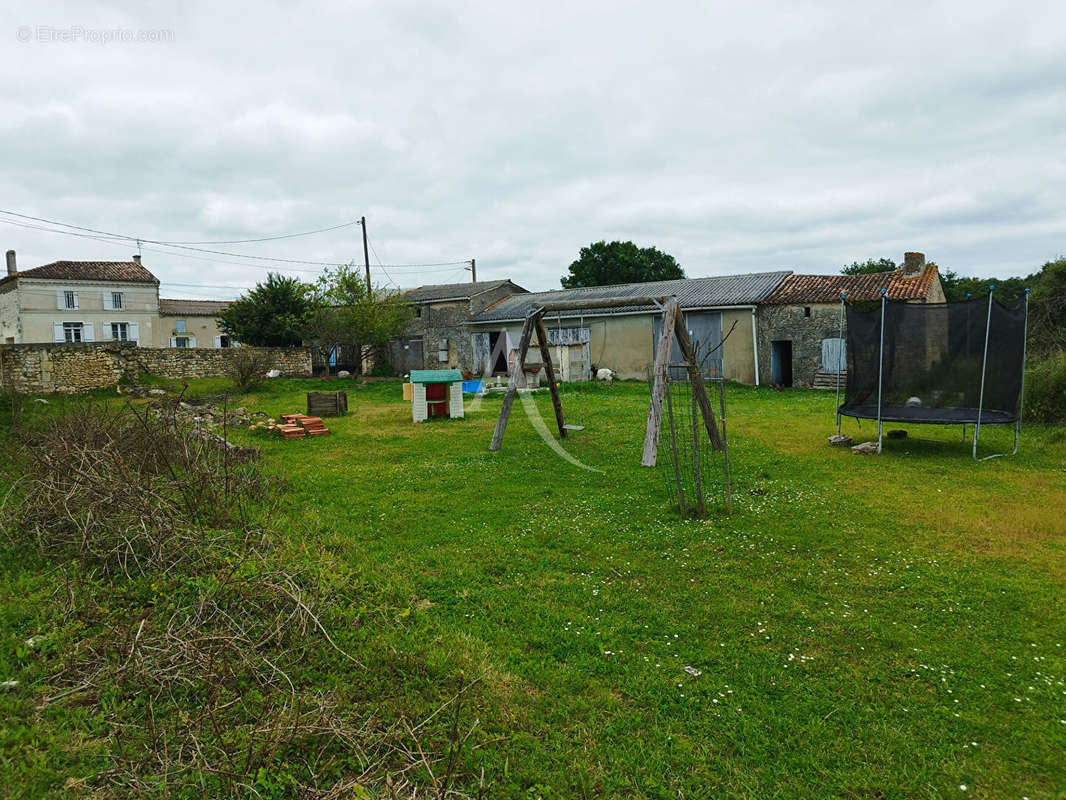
(366, 255)
(473, 270)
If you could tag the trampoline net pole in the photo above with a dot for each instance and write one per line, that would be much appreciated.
(840, 358)
(984, 363)
(880, 370)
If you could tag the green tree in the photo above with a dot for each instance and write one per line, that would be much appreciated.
(348, 314)
(606, 263)
(869, 267)
(1047, 308)
(958, 288)
(273, 314)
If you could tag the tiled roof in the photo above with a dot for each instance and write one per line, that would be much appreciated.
(455, 291)
(800, 289)
(124, 271)
(192, 308)
(691, 293)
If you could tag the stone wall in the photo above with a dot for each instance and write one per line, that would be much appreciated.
(207, 362)
(78, 368)
(441, 321)
(805, 333)
(64, 368)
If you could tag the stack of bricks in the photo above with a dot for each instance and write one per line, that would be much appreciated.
(314, 426)
(299, 425)
(291, 429)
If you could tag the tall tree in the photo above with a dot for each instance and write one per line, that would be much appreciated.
(350, 315)
(1047, 304)
(958, 288)
(869, 266)
(273, 314)
(605, 263)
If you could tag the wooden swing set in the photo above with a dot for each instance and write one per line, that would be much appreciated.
(673, 326)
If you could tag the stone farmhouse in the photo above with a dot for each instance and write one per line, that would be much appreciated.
(772, 327)
(439, 337)
(95, 301)
(799, 322)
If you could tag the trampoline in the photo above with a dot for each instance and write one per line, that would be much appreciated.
(935, 364)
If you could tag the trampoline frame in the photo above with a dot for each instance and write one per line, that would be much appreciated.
(976, 422)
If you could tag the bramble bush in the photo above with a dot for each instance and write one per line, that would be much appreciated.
(1045, 390)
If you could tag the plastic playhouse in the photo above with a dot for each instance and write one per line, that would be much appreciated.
(436, 393)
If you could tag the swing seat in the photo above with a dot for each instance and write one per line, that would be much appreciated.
(573, 427)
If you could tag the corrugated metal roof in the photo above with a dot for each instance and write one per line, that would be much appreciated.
(192, 308)
(455, 291)
(713, 292)
(124, 271)
(801, 289)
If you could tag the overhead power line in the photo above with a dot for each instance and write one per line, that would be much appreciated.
(175, 243)
(280, 236)
(115, 238)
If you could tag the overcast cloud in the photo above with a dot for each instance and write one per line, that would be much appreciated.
(739, 138)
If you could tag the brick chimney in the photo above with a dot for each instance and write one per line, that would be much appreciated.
(913, 264)
(137, 258)
(11, 268)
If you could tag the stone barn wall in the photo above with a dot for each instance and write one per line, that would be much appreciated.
(79, 368)
(440, 321)
(805, 333)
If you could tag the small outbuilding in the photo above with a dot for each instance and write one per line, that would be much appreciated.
(436, 393)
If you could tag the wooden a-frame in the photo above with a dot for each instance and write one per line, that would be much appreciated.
(673, 328)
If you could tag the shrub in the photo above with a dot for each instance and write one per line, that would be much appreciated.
(248, 366)
(382, 366)
(1045, 390)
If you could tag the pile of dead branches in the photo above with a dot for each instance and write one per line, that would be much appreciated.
(207, 657)
(135, 492)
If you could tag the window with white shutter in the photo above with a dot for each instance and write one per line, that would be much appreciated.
(135, 332)
(87, 332)
(73, 332)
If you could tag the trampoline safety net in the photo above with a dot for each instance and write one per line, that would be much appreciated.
(933, 355)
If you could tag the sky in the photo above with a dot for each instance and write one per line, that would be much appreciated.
(738, 137)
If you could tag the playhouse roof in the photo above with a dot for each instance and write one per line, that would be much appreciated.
(435, 375)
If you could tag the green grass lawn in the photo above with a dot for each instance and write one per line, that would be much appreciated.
(867, 627)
